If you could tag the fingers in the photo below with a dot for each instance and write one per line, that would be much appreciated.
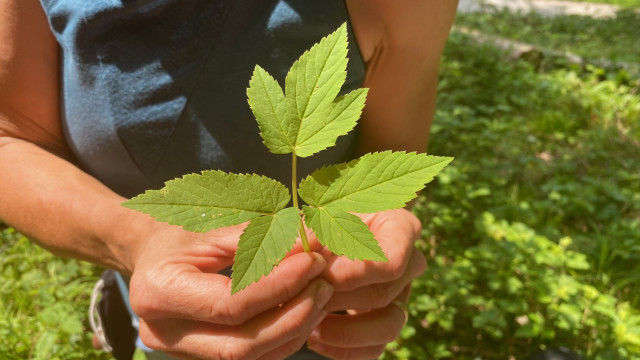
(276, 333)
(364, 353)
(95, 342)
(369, 328)
(370, 290)
(184, 292)
(379, 295)
(396, 231)
(361, 335)
(285, 350)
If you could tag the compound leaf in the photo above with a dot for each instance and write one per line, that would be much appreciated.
(304, 119)
(343, 233)
(375, 182)
(262, 245)
(212, 199)
(267, 102)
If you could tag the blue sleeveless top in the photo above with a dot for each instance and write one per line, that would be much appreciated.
(154, 89)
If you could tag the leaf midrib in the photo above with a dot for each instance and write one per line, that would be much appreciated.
(275, 113)
(374, 185)
(313, 91)
(328, 123)
(253, 258)
(344, 230)
(204, 206)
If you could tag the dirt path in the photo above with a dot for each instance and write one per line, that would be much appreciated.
(545, 7)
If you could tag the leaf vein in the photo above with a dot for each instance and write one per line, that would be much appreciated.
(275, 113)
(360, 190)
(315, 84)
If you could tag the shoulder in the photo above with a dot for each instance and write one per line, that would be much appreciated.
(418, 27)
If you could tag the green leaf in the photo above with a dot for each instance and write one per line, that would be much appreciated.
(343, 233)
(308, 118)
(71, 324)
(213, 199)
(262, 245)
(139, 354)
(267, 102)
(375, 182)
(44, 345)
(321, 132)
(315, 80)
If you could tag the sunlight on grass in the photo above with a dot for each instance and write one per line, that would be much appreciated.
(612, 39)
(43, 303)
(533, 232)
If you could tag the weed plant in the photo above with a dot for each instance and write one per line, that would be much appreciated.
(533, 234)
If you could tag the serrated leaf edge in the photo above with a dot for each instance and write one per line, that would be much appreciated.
(342, 28)
(332, 219)
(355, 161)
(284, 133)
(137, 200)
(236, 283)
(333, 106)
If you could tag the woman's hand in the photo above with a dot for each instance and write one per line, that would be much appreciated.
(186, 308)
(373, 294)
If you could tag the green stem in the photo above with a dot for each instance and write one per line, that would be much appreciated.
(294, 190)
(303, 236)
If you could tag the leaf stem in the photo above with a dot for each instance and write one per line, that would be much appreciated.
(294, 190)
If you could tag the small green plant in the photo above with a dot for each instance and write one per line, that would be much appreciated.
(43, 302)
(304, 119)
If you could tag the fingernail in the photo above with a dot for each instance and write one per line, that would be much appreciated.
(323, 294)
(319, 320)
(319, 263)
(315, 346)
(315, 334)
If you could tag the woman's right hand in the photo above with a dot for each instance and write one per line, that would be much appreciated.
(186, 308)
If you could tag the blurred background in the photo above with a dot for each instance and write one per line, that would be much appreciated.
(532, 234)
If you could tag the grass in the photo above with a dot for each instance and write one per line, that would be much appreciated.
(612, 39)
(43, 303)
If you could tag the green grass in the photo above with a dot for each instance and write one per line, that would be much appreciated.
(613, 39)
(43, 303)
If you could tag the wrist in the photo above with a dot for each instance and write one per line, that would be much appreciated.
(124, 232)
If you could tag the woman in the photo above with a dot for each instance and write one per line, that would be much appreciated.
(101, 100)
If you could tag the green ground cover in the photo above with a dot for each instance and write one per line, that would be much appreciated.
(625, 3)
(532, 234)
(44, 302)
(612, 39)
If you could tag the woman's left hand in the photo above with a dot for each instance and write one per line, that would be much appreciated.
(373, 294)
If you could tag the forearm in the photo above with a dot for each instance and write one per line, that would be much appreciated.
(41, 194)
(65, 210)
(399, 112)
(401, 43)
